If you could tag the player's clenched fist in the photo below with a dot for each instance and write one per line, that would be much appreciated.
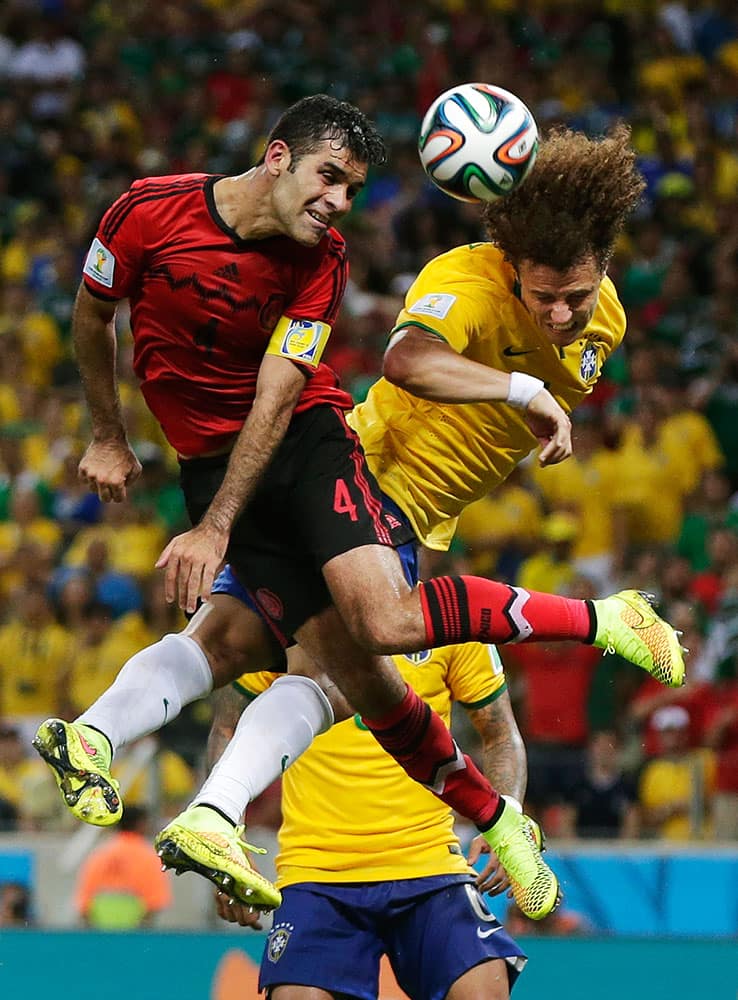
(108, 467)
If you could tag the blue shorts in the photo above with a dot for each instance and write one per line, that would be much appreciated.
(433, 930)
(227, 583)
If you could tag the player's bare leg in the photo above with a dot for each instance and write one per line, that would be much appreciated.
(488, 980)
(385, 615)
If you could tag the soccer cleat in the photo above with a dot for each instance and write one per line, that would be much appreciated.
(537, 833)
(80, 757)
(629, 626)
(517, 841)
(201, 840)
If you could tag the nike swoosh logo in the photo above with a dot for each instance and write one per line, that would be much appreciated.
(509, 352)
(489, 932)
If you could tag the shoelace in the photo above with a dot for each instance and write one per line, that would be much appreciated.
(250, 848)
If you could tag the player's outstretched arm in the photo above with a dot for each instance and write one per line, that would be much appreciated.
(109, 464)
(428, 367)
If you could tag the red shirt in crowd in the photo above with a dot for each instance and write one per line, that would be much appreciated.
(557, 678)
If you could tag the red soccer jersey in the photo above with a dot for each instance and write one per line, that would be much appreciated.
(204, 305)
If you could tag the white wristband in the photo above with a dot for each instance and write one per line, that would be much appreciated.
(522, 389)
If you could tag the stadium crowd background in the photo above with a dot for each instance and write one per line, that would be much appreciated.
(94, 94)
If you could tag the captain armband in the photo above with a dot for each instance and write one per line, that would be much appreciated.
(300, 340)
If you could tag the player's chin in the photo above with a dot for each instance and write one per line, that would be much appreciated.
(563, 338)
(309, 233)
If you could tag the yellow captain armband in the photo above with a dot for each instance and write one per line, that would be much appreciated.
(301, 340)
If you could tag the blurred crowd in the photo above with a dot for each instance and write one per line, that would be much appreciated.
(94, 94)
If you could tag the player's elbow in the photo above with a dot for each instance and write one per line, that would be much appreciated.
(396, 366)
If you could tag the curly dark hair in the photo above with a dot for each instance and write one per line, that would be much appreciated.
(305, 124)
(573, 204)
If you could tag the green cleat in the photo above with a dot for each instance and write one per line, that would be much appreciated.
(628, 625)
(517, 841)
(80, 757)
(201, 840)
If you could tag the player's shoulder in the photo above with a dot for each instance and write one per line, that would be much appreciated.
(331, 250)
(473, 264)
(168, 183)
(609, 293)
(610, 312)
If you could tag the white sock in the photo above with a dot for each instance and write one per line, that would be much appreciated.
(271, 734)
(151, 690)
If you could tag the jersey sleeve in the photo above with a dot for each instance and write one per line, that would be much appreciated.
(114, 261)
(320, 294)
(441, 302)
(302, 332)
(475, 674)
(612, 316)
(252, 685)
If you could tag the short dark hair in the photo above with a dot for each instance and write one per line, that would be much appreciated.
(572, 205)
(304, 125)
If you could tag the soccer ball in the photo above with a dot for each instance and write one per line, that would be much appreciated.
(477, 142)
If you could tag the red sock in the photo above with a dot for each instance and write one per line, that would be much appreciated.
(419, 741)
(472, 609)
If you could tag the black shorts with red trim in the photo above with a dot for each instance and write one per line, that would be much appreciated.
(317, 500)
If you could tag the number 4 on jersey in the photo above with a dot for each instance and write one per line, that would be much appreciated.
(342, 502)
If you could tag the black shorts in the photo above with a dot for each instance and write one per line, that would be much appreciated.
(317, 499)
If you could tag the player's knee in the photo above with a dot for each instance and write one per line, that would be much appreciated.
(381, 635)
(229, 653)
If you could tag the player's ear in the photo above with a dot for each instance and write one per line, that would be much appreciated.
(277, 157)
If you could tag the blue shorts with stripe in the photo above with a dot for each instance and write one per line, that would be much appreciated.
(432, 930)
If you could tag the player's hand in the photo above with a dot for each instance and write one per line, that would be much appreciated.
(108, 467)
(237, 913)
(493, 878)
(551, 425)
(192, 561)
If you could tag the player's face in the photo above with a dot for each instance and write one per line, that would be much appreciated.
(317, 192)
(561, 302)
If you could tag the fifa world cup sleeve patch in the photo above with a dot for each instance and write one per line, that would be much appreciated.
(100, 264)
(301, 340)
(436, 304)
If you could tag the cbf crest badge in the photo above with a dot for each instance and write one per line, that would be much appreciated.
(420, 657)
(588, 363)
(278, 938)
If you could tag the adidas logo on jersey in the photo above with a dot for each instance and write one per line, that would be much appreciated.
(227, 271)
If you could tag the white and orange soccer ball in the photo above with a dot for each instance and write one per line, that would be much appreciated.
(477, 142)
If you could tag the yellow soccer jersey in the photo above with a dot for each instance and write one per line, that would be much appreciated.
(591, 485)
(351, 814)
(435, 458)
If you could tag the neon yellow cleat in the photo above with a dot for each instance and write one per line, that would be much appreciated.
(201, 840)
(628, 625)
(517, 841)
(536, 832)
(80, 757)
